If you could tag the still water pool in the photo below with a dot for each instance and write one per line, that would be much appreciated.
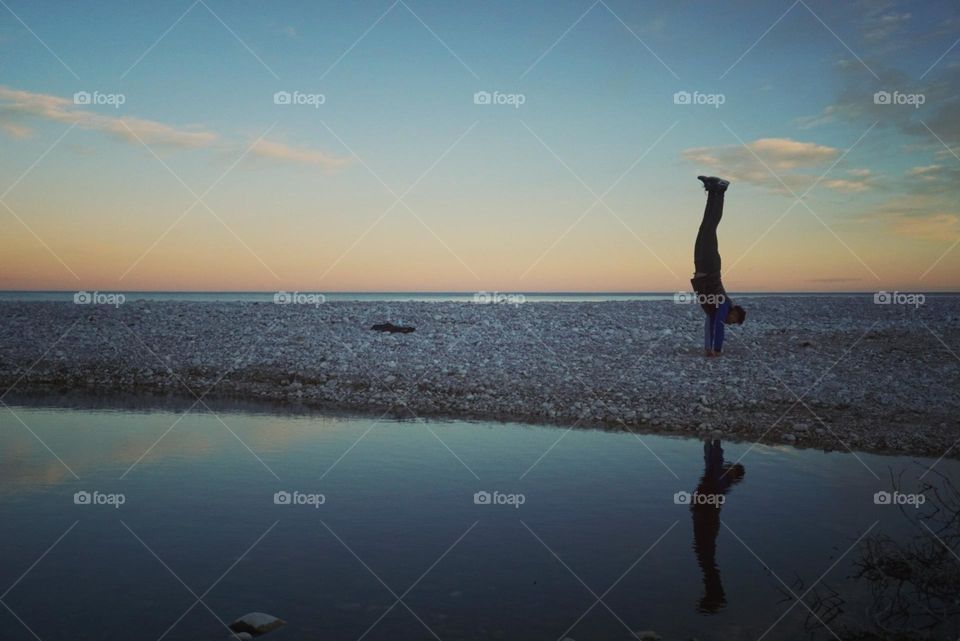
(155, 523)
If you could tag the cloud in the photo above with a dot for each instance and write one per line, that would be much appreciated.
(844, 184)
(16, 131)
(885, 25)
(833, 280)
(16, 105)
(786, 154)
(926, 172)
(859, 180)
(155, 133)
(298, 155)
(934, 179)
(855, 104)
(881, 20)
(749, 163)
(855, 101)
(936, 226)
(919, 216)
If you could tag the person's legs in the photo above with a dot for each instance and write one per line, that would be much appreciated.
(706, 251)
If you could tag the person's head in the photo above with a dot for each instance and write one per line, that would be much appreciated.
(735, 314)
(734, 473)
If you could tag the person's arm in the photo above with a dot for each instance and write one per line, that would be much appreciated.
(718, 329)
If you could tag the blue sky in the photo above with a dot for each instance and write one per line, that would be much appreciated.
(500, 197)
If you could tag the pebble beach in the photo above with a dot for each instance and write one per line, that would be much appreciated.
(835, 373)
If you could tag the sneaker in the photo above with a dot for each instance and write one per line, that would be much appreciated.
(712, 183)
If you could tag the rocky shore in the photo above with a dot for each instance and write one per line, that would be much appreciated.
(829, 372)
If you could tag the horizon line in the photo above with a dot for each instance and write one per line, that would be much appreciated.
(455, 292)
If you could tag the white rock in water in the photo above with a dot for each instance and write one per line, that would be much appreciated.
(241, 636)
(256, 623)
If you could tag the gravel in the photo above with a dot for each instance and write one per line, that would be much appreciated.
(829, 372)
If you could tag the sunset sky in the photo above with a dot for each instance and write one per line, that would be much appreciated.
(400, 181)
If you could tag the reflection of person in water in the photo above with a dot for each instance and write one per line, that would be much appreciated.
(705, 505)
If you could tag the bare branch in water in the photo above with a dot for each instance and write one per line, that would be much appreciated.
(914, 584)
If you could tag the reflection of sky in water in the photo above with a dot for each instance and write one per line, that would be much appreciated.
(398, 499)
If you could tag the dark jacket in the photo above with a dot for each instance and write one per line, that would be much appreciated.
(709, 285)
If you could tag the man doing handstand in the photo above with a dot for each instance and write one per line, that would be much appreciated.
(706, 281)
